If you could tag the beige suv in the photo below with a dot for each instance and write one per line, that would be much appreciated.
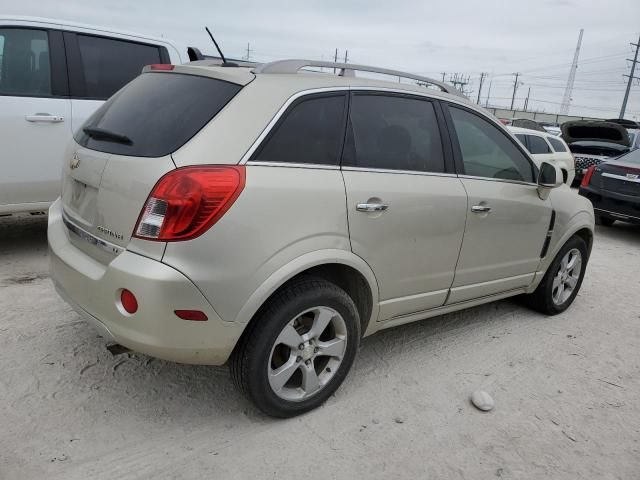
(270, 217)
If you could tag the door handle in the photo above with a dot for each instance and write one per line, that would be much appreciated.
(480, 209)
(371, 207)
(44, 117)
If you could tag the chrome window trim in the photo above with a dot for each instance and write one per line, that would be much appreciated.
(620, 177)
(314, 166)
(501, 180)
(398, 172)
(91, 238)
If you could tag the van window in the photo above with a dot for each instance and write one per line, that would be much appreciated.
(24, 62)
(557, 145)
(393, 133)
(537, 145)
(108, 64)
(310, 132)
(155, 114)
(488, 152)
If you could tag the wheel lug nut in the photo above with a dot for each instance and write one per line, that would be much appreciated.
(298, 359)
(315, 350)
(308, 362)
(301, 346)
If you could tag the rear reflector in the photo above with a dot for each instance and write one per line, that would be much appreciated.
(186, 202)
(586, 180)
(162, 66)
(129, 301)
(194, 315)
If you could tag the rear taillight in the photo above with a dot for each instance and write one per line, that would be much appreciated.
(586, 180)
(188, 201)
(162, 66)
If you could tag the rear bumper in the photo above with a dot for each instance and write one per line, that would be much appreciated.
(93, 290)
(613, 205)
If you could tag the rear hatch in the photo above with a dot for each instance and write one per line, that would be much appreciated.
(620, 176)
(125, 147)
(596, 137)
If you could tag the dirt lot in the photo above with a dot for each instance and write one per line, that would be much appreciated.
(567, 392)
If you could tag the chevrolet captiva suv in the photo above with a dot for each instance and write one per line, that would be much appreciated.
(270, 217)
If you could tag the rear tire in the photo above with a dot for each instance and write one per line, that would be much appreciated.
(604, 221)
(298, 349)
(563, 279)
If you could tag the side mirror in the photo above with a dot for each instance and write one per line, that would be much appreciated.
(550, 176)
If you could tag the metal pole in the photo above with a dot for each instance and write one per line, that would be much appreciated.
(633, 69)
(515, 87)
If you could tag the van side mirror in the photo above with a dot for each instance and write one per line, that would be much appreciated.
(549, 177)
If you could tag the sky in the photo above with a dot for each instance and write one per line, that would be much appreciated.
(536, 38)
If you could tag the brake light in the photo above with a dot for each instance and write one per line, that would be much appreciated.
(586, 180)
(162, 66)
(186, 202)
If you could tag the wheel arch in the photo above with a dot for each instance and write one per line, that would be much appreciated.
(348, 271)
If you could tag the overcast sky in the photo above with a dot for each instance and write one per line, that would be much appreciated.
(536, 38)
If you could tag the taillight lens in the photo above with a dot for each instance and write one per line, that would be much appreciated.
(162, 66)
(586, 180)
(186, 202)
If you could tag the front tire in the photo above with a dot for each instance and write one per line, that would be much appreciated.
(563, 279)
(299, 348)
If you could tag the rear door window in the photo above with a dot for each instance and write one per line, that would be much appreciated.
(393, 133)
(537, 145)
(155, 114)
(25, 66)
(557, 145)
(310, 132)
(523, 140)
(107, 64)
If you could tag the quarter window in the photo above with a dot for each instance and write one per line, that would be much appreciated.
(25, 67)
(538, 145)
(557, 145)
(393, 132)
(310, 132)
(488, 152)
(108, 64)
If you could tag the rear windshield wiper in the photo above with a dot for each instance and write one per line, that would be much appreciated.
(107, 135)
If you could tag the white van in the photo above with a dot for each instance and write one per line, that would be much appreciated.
(53, 75)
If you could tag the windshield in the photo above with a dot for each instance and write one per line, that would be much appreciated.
(155, 114)
(631, 157)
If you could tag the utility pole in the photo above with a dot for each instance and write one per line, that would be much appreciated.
(489, 93)
(335, 60)
(248, 55)
(515, 87)
(482, 75)
(459, 81)
(566, 98)
(526, 100)
(631, 78)
(443, 75)
(346, 56)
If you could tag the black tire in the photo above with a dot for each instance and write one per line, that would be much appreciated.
(542, 298)
(251, 359)
(604, 221)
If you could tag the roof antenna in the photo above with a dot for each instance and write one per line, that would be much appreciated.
(224, 60)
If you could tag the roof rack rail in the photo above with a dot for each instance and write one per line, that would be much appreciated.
(347, 70)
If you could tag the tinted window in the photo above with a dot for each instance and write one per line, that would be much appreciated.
(396, 133)
(632, 157)
(24, 62)
(310, 132)
(158, 113)
(557, 145)
(523, 140)
(107, 64)
(538, 145)
(488, 152)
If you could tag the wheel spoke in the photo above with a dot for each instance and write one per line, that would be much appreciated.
(282, 374)
(560, 292)
(289, 337)
(310, 380)
(564, 263)
(571, 282)
(556, 281)
(332, 348)
(571, 260)
(320, 322)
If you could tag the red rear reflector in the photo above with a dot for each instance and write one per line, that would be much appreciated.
(129, 302)
(162, 66)
(586, 180)
(186, 202)
(194, 315)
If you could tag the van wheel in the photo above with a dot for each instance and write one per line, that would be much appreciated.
(299, 349)
(604, 221)
(563, 279)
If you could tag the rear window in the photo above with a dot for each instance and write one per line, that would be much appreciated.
(537, 145)
(155, 114)
(557, 145)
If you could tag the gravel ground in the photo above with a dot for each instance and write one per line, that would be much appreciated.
(566, 388)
